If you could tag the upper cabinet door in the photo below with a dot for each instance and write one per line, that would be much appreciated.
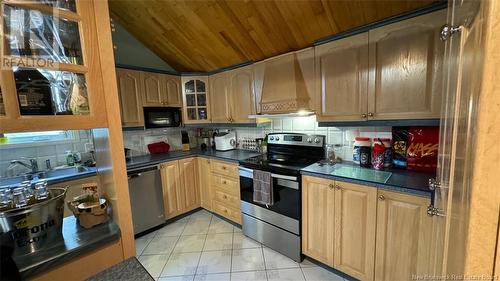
(342, 69)
(219, 101)
(130, 91)
(406, 61)
(154, 89)
(172, 90)
(241, 94)
(196, 99)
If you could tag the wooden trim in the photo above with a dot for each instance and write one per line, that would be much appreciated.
(439, 5)
(85, 266)
(118, 176)
(484, 195)
(46, 9)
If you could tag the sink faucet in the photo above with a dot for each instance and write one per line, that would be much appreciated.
(33, 166)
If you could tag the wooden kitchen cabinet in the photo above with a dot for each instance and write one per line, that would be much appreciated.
(173, 90)
(406, 69)
(205, 183)
(403, 237)
(161, 90)
(130, 89)
(342, 84)
(171, 187)
(338, 225)
(355, 221)
(180, 186)
(241, 95)
(225, 188)
(80, 75)
(154, 89)
(318, 218)
(219, 98)
(196, 100)
(189, 181)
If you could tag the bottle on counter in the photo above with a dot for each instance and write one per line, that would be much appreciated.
(378, 154)
(362, 151)
(70, 158)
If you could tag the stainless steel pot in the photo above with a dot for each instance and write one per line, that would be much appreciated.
(35, 226)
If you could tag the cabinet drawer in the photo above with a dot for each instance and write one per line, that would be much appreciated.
(232, 186)
(227, 212)
(227, 199)
(225, 168)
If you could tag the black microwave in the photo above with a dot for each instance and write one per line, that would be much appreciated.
(161, 117)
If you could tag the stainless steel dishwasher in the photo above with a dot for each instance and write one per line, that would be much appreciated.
(146, 198)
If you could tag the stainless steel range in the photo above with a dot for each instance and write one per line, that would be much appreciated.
(278, 226)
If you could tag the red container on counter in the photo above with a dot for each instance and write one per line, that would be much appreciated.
(378, 154)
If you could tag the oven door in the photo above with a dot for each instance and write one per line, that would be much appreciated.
(286, 193)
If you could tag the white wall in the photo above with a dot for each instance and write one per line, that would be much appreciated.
(53, 150)
(131, 52)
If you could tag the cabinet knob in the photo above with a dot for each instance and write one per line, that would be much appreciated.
(331, 186)
(381, 197)
(338, 187)
(370, 114)
(224, 182)
(225, 196)
(363, 115)
(224, 167)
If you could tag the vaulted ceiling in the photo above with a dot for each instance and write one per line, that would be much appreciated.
(196, 35)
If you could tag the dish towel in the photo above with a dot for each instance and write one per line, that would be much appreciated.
(263, 188)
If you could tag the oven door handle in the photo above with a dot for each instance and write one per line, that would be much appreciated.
(290, 178)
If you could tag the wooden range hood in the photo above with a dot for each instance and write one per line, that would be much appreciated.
(284, 88)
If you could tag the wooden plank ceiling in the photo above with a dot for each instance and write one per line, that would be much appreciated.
(208, 35)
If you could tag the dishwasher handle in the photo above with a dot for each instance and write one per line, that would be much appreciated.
(138, 172)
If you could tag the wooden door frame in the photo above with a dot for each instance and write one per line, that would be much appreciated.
(481, 245)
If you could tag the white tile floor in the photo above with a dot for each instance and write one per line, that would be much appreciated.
(205, 247)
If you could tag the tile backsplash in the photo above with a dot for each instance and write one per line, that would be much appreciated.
(137, 140)
(81, 141)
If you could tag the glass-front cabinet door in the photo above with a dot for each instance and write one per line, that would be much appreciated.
(195, 95)
(50, 66)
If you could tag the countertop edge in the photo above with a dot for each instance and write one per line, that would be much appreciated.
(372, 184)
(65, 257)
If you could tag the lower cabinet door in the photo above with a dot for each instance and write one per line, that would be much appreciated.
(403, 237)
(354, 239)
(189, 183)
(171, 185)
(205, 183)
(318, 219)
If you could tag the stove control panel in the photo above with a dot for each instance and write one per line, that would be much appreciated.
(296, 139)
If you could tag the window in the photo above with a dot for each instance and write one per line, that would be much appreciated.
(46, 136)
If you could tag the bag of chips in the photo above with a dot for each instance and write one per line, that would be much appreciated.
(422, 150)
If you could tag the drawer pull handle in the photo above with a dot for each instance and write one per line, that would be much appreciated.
(381, 197)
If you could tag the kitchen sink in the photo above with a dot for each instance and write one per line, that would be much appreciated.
(50, 174)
